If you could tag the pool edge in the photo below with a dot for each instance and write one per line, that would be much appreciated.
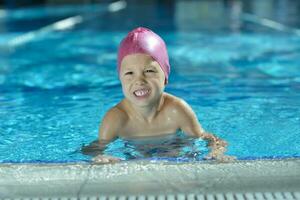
(148, 178)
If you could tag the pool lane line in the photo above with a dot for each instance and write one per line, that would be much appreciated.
(57, 26)
(269, 23)
(61, 25)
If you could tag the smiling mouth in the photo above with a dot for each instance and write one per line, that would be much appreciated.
(140, 93)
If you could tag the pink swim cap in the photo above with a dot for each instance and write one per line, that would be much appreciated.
(143, 40)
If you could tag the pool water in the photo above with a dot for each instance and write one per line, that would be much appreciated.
(56, 87)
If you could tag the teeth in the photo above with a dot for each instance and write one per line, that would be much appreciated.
(141, 92)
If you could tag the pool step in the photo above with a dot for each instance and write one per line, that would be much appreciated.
(220, 196)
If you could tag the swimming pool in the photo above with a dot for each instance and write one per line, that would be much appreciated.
(58, 78)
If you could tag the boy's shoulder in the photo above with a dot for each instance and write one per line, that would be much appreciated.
(175, 102)
(112, 123)
(182, 113)
(117, 115)
(179, 107)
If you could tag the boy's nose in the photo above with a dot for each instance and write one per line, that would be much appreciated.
(140, 80)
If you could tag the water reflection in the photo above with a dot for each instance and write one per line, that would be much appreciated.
(176, 145)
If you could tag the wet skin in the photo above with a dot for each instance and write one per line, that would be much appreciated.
(148, 111)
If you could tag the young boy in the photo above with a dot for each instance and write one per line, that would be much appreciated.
(146, 110)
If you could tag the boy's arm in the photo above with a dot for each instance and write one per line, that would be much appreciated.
(189, 124)
(111, 125)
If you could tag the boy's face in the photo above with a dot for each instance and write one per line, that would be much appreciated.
(142, 79)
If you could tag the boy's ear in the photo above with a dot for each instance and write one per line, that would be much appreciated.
(166, 81)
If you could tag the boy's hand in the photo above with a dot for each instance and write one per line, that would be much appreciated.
(220, 157)
(104, 159)
(218, 148)
(217, 142)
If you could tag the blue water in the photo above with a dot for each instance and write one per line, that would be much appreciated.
(56, 87)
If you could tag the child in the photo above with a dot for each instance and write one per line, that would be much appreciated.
(146, 110)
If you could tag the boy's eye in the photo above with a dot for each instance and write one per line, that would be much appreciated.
(128, 73)
(150, 70)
